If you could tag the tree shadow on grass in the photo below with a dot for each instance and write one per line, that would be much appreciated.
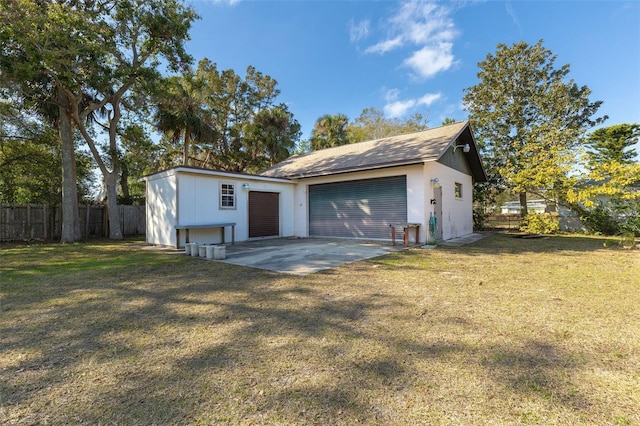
(510, 244)
(195, 341)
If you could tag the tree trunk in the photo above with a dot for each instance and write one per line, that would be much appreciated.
(523, 204)
(187, 140)
(124, 183)
(71, 231)
(111, 182)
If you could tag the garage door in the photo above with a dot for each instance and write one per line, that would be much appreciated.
(264, 214)
(357, 209)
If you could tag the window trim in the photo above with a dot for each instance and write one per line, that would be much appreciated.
(224, 195)
(457, 190)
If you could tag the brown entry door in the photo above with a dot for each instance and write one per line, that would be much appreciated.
(264, 214)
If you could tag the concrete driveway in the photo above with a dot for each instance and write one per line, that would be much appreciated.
(302, 256)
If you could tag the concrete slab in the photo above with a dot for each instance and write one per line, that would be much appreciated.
(464, 240)
(303, 256)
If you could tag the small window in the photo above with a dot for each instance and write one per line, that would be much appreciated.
(458, 190)
(227, 196)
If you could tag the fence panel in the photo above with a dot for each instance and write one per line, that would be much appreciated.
(502, 222)
(40, 221)
(130, 220)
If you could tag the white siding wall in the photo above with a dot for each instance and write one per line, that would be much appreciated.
(193, 198)
(161, 211)
(457, 214)
(198, 198)
(415, 194)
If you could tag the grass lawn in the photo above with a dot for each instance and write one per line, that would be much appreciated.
(503, 332)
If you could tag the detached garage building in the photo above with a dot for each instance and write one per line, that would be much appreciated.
(350, 191)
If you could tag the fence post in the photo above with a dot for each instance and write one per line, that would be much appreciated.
(86, 225)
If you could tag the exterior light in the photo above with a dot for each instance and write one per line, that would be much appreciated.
(465, 148)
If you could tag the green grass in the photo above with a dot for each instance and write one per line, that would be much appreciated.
(505, 331)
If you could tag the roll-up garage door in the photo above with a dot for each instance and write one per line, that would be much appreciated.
(357, 209)
(264, 214)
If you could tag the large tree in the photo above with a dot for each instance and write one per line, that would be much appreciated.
(91, 55)
(611, 171)
(372, 124)
(30, 159)
(613, 143)
(271, 137)
(223, 120)
(181, 114)
(25, 42)
(329, 130)
(529, 119)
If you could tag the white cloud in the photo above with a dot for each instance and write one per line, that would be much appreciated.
(228, 2)
(385, 46)
(391, 95)
(430, 60)
(426, 26)
(429, 98)
(397, 108)
(358, 31)
(514, 16)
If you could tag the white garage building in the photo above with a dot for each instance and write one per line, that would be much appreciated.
(351, 191)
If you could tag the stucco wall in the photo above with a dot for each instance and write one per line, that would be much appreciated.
(457, 213)
(185, 197)
(457, 217)
(193, 198)
(415, 194)
(199, 203)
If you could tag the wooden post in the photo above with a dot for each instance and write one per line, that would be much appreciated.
(86, 225)
(28, 231)
(45, 221)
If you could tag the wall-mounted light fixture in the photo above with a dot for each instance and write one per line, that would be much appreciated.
(465, 148)
(246, 186)
(435, 182)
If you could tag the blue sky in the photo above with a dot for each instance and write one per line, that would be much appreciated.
(405, 57)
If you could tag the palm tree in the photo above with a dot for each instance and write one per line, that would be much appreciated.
(329, 130)
(180, 113)
(270, 137)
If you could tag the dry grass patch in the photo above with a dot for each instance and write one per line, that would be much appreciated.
(505, 331)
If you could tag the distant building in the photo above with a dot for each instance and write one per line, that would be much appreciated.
(533, 206)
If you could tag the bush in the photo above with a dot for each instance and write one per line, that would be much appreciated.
(540, 224)
(613, 218)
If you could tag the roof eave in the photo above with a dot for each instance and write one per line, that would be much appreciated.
(358, 169)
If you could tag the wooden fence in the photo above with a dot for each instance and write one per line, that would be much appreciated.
(503, 222)
(42, 222)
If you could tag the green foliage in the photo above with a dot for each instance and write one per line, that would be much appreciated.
(31, 161)
(302, 147)
(613, 217)
(627, 239)
(611, 170)
(529, 119)
(270, 138)
(87, 58)
(329, 131)
(613, 143)
(543, 223)
(372, 124)
(484, 198)
(221, 120)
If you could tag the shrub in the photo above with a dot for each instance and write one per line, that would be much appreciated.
(612, 218)
(540, 224)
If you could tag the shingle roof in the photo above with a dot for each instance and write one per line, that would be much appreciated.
(412, 148)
